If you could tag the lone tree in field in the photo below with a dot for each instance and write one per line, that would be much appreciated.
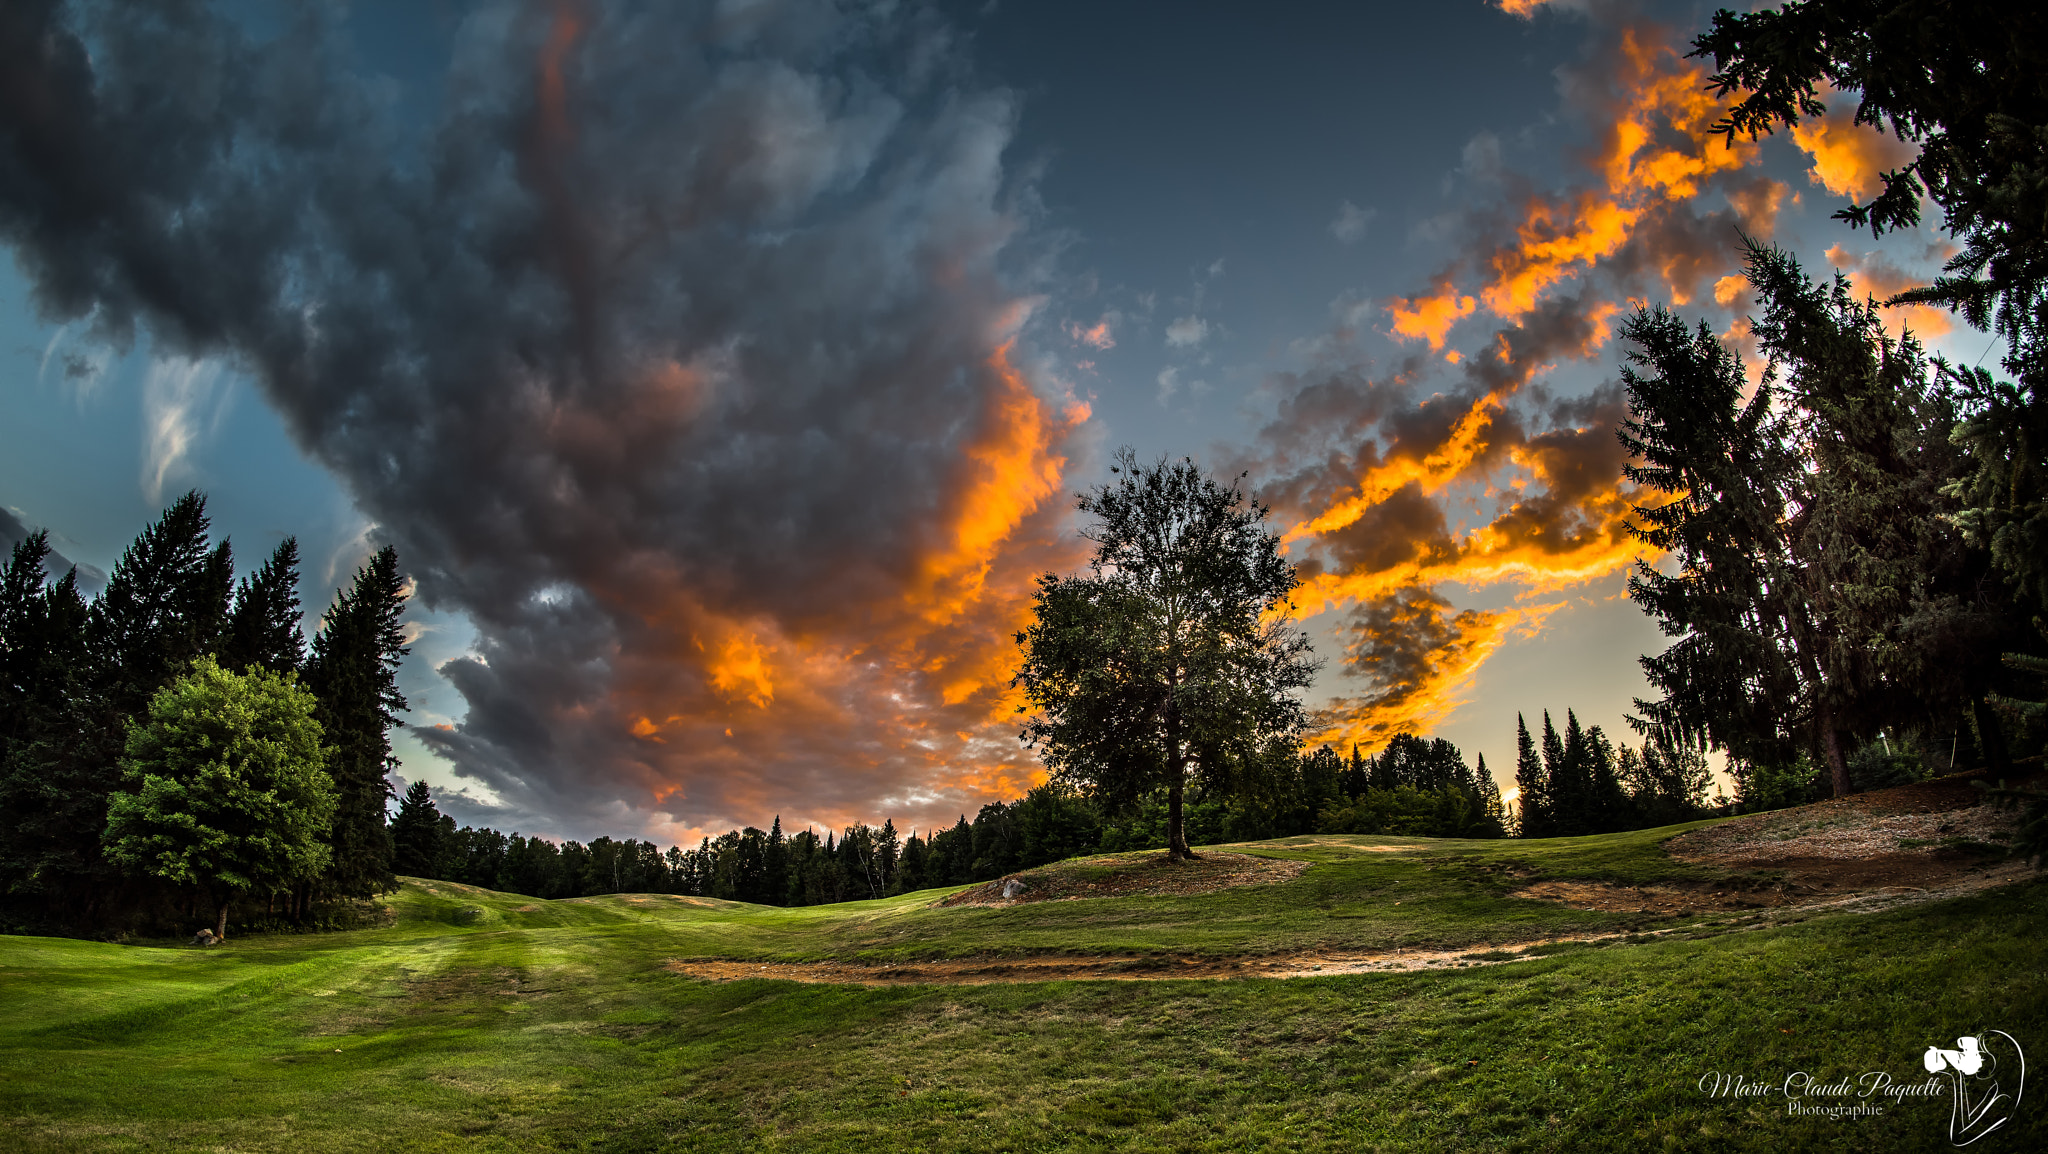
(1172, 660)
(229, 790)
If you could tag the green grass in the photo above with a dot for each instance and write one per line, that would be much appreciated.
(482, 1021)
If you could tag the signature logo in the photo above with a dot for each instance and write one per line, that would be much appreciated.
(1981, 1101)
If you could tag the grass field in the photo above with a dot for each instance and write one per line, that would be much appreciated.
(484, 1021)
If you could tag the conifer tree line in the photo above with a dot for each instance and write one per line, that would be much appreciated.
(1582, 783)
(1413, 787)
(118, 808)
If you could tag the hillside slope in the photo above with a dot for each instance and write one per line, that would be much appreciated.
(485, 1021)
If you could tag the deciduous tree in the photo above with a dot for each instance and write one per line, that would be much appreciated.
(1172, 660)
(225, 787)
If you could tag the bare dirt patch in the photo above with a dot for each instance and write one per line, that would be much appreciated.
(1931, 834)
(1068, 968)
(1128, 875)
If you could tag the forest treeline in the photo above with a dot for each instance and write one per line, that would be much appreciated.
(91, 694)
(1413, 787)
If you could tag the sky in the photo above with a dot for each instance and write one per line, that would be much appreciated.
(725, 372)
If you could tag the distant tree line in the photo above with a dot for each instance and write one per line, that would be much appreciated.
(1414, 787)
(176, 743)
(1579, 782)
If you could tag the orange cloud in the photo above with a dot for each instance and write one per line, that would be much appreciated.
(1433, 470)
(1096, 336)
(1875, 275)
(1430, 316)
(1422, 656)
(1380, 545)
(1850, 159)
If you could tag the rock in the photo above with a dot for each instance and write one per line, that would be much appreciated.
(1014, 887)
(204, 938)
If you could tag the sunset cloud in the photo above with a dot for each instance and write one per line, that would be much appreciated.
(1489, 482)
(1849, 159)
(691, 377)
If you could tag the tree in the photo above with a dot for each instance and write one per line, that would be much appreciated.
(1532, 785)
(1172, 660)
(162, 606)
(1821, 589)
(1963, 80)
(226, 787)
(45, 783)
(1960, 78)
(416, 839)
(1740, 673)
(263, 627)
(353, 671)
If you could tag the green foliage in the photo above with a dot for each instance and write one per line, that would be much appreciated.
(1581, 783)
(1822, 588)
(1765, 785)
(1170, 661)
(96, 668)
(1962, 81)
(227, 790)
(416, 833)
(1884, 763)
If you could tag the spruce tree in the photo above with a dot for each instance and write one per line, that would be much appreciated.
(162, 608)
(1493, 813)
(263, 627)
(353, 670)
(47, 801)
(775, 888)
(1533, 804)
(416, 833)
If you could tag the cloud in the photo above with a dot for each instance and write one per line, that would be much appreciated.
(1186, 332)
(182, 401)
(1876, 275)
(1417, 653)
(1349, 226)
(1095, 336)
(1169, 383)
(697, 319)
(1392, 491)
(1849, 159)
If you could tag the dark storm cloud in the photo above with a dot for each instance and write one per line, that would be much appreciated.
(674, 355)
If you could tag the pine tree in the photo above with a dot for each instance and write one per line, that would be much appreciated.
(775, 887)
(1493, 813)
(263, 628)
(44, 780)
(416, 833)
(163, 607)
(1533, 802)
(353, 670)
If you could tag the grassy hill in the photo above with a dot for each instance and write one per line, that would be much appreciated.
(487, 1021)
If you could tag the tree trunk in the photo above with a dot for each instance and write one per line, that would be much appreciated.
(1177, 773)
(1831, 745)
(1990, 739)
(220, 919)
